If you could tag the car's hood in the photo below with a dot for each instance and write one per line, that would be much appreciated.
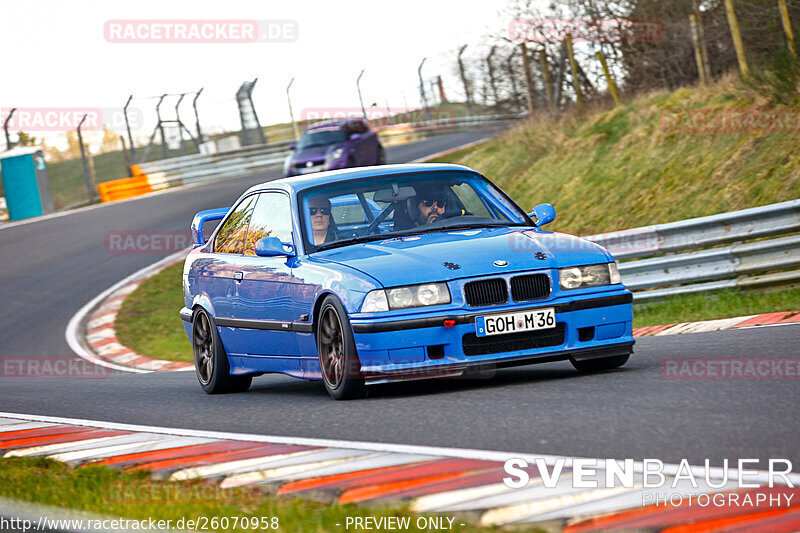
(314, 153)
(465, 253)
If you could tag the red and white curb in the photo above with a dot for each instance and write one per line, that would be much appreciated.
(749, 321)
(91, 333)
(101, 336)
(428, 479)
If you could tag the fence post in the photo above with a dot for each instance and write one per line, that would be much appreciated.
(492, 81)
(526, 66)
(548, 80)
(9, 146)
(464, 80)
(180, 124)
(128, 128)
(733, 22)
(510, 66)
(422, 89)
(787, 27)
(295, 130)
(160, 126)
(126, 156)
(576, 82)
(701, 37)
(698, 52)
(86, 173)
(196, 116)
(612, 87)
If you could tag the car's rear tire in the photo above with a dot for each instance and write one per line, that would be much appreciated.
(210, 360)
(380, 158)
(338, 360)
(600, 364)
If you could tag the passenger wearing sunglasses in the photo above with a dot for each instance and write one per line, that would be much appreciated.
(324, 230)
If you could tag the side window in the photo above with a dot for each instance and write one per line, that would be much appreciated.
(230, 238)
(272, 217)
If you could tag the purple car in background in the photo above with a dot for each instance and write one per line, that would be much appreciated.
(334, 144)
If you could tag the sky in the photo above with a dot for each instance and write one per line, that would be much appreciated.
(55, 54)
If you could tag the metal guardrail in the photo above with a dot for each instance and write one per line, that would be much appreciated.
(451, 123)
(751, 264)
(197, 168)
(178, 163)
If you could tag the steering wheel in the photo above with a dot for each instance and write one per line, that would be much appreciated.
(445, 219)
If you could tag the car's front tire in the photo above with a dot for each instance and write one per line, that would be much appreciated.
(601, 364)
(338, 360)
(210, 360)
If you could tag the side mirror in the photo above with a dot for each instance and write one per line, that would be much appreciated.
(293, 147)
(273, 247)
(543, 213)
(355, 136)
(201, 218)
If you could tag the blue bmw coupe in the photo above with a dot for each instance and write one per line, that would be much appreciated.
(370, 275)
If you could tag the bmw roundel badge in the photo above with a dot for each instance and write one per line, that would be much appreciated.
(500, 263)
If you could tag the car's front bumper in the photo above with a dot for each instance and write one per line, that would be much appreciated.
(402, 348)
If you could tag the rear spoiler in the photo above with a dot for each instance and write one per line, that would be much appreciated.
(201, 218)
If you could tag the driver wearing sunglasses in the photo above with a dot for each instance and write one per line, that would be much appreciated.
(319, 208)
(430, 205)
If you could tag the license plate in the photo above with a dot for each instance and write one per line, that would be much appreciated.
(515, 322)
(309, 170)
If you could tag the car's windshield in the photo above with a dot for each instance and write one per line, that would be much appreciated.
(322, 137)
(418, 202)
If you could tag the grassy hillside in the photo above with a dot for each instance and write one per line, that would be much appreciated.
(622, 168)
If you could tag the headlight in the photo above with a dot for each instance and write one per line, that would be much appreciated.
(400, 297)
(615, 278)
(406, 297)
(588, 276)
(336, 154)
(375, 302)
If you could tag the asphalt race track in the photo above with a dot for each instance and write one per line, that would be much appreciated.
(50, 268)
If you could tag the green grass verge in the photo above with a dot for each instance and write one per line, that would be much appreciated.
(106, 491)
(720, 304)
(148, 322)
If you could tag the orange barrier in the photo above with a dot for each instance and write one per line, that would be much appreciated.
(111, 191)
